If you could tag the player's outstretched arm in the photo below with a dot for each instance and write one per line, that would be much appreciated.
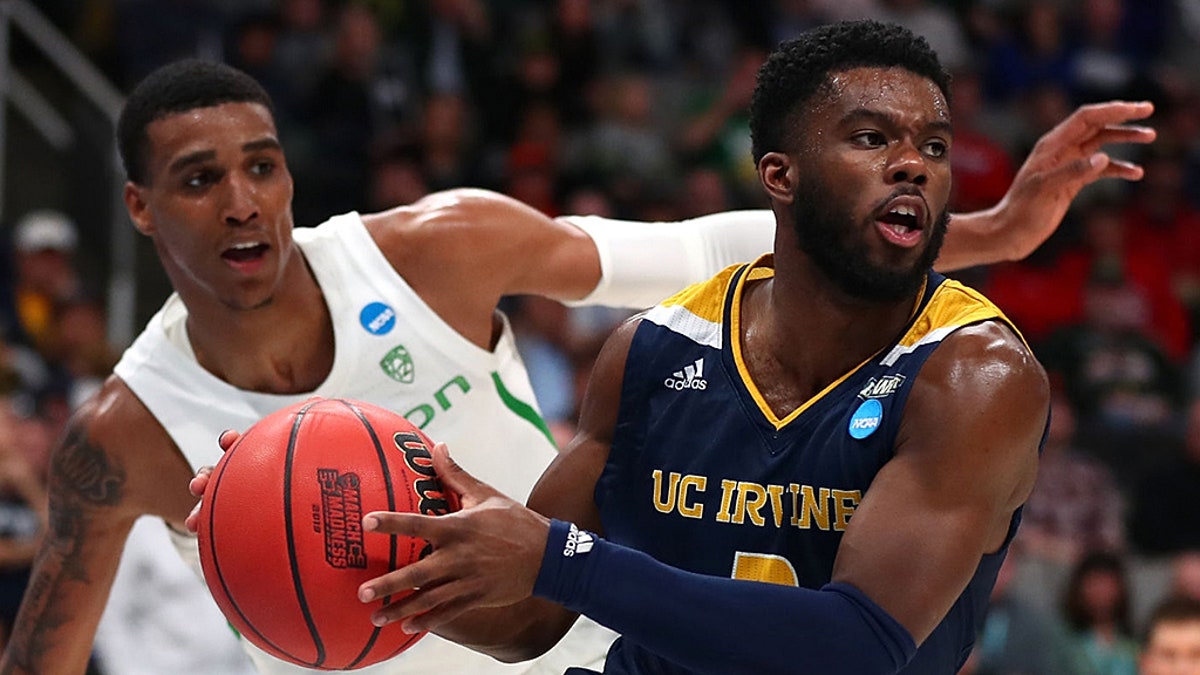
(1065, 160)
(645, 262)
(97, 489)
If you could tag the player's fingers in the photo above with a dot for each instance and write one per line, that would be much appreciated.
(1088, 118)
(1124, 133)
(456, 478)
(410, 524)
(431, 619)
(192, 522)
(434, 604)
(199, 483)
(1125, 170)
(227, 439)
(426, 573)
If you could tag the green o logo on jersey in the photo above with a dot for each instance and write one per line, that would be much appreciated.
(398, 365)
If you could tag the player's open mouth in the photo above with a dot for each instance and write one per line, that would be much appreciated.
(245, 253)
(901, 220)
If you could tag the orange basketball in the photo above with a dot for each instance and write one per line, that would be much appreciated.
(280, 529)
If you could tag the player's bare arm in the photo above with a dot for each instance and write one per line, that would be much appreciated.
(966, 458)
(653, 261)
(462, 250)
(103, 474)
(474, 566)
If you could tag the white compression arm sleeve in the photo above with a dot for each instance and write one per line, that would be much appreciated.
(643, 263)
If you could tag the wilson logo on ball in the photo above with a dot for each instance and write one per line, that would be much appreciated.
(432, 498)
(341, 510)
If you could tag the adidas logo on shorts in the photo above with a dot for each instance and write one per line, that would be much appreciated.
(691, 377)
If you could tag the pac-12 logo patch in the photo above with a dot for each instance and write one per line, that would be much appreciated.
(398, 365)
(377, 318)
(866, 419)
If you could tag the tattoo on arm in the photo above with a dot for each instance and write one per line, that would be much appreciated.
(82, 478)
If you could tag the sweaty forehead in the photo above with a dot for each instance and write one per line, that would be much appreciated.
(213, 128)
(893, 91)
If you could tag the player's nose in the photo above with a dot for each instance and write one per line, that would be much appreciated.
(241, 200)
(907, 165)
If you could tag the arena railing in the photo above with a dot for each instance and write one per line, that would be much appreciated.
(95, 87)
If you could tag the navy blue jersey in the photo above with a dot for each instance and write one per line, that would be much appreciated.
(704, 476)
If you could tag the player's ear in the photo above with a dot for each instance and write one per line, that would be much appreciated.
(139, 210)
(778, 175)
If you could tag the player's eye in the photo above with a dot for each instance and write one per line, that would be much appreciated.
(262, 167)
(869, 139)
(199, 179)
(936, 148)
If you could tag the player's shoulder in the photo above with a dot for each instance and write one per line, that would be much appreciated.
(987, 361)
(116, 419)
(450, 227)
(438, 211)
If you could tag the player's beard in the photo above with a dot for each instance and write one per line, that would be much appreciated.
(839, 249)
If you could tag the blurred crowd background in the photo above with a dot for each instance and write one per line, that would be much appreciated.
(637, 109)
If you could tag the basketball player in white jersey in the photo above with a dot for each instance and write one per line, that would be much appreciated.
(396, 308)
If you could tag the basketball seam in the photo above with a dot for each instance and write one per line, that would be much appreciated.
(391, 501)
(212, 496)
(291, 538)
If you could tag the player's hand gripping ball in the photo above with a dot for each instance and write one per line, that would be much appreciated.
(280, 529)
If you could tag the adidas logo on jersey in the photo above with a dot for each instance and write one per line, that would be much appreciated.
(691, 377)
(578, 541)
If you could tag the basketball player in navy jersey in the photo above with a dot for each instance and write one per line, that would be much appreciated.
(834, 419)
(257, 306)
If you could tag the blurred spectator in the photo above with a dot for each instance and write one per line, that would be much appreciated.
(1165, 518)
(982, 168)
(303, 45)
(454, 46)
(1172, 644)
(793, 17)
(543, 338)
(716, 132)
(1075, 506)
(81, 348)
(1161, 217)
(23, 513)
(1116, 376)
(624, 150)
(1185, 574)
(1110, 59)
(932, 21)
(253, 48)
(355, 100)
(397, 175)
(448, 141)
(1097, 610)
(153, 32)
(1033, 53)
(1018, 638)
(44, 243)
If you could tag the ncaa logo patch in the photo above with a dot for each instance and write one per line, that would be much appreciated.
(866, 419)
(377, 318)
(398, 365)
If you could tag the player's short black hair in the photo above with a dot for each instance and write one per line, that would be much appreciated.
(801, 67)
(174, 88)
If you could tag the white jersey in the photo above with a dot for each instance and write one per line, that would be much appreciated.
(392, 350)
